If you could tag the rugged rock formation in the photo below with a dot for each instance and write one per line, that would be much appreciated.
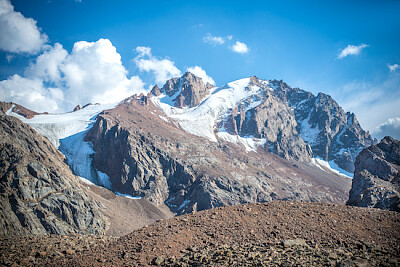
(187, 91)
(323, 124)
(146, 155)
(265, 116)
(376, 181)
(6, 106)
(38, 192)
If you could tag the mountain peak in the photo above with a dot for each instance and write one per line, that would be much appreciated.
(186, 91)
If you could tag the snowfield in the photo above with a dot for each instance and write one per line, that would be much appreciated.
(201, 120)
(66, 132)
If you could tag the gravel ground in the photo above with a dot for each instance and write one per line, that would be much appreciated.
(268, 234)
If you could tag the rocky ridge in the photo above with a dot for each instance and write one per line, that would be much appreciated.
(290, 122)
(376, 181)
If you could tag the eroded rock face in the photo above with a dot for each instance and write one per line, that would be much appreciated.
(38, 192)
(376, 181)
(269, 118)
(332, 133)
(148, 156)
(188, 91)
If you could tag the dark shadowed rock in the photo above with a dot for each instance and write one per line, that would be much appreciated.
(376, 181)
(78, 107)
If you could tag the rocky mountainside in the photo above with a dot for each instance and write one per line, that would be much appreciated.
(271, 234)
(376, 181)
(146, 154)
(40, 195)
(289, 122)
(334, 135)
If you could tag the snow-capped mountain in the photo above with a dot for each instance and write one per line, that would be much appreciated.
(290, 122)
(193, 146)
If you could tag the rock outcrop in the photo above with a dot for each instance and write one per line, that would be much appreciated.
(38, 192)
(376, 181)
(18, 109)
(186, 91)
(269, 119)
(332, 133)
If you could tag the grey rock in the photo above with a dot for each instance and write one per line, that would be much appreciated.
(376, 181)
(332, 133)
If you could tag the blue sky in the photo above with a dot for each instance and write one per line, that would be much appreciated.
(296, 41)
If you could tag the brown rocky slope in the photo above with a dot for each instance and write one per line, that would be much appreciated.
(271, 234)
(40, 195)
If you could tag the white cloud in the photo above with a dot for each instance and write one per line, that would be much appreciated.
(240, 48)
(389, 128)
(199, 72)
(393, 67)
(18, 33)
(163, 69)
(57, 81)
(351, 50)
(213, 40)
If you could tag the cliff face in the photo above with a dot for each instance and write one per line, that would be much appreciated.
(332, 133)
(148, 155)
(376, 181)
(265, 116)
(38, 192)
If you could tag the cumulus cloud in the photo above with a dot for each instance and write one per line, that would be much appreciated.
(393, 67)
(240, 48)
(389, 128)
(351, 50)
(199, 72)
(163, 69)
(214, 40)
(18, 33)
(58, 80)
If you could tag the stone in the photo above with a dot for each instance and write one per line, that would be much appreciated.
(376, 181)
(294, 242)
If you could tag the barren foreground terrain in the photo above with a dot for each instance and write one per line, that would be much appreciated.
(275, 233)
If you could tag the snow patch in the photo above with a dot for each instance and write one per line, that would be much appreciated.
(184, 204)
(201, 120)
(249, 143)
(330, 166)
(67, 131)
(127, 196)
(308, 133)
